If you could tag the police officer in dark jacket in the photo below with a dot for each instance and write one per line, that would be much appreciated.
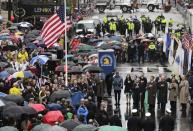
(148, 124)
(115, 119)
(134, 122)
(167, 122)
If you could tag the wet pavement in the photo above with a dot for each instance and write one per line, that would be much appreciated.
(182, 123)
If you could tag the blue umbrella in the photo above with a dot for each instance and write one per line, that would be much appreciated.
(54, 106)
(5, 37)
(42, 59)
(2, 94)
(28, 74)
(31, 46)
(4, 75)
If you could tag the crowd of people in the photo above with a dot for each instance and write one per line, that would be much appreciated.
(93, 106)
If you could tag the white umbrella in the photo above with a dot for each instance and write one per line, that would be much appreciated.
(93, 55)
(2, 103)
(25, 24)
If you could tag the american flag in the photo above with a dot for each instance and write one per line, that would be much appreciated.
(54, 27)
(187, 41)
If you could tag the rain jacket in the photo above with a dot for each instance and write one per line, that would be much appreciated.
(15, 91)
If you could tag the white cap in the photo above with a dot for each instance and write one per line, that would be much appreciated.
(147, 114)
(168, 111)
(134, 110)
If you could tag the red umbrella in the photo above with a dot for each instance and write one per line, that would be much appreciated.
(61, 68)
(53, 116)
(38, 107)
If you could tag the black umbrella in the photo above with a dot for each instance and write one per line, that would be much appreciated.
(29, 110)
(4, 64)
(69, 124)
(8, 128)
(8, 103)
(82, 63)
(105, 46)
(57, 95)
(92, 69)
(13, 112)
(75, 70)
(10, 48)
(17, 99)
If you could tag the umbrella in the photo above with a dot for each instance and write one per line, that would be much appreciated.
(85, 48)
(69, 56)
(2, 103)
(2, 94)
(8, 128)
(28, 74)
(105, 46)
(4, 64)
(82, 63)
(55, 128)
(93, 55)
(13, 28)
(5, 37)
(85, 128)
(115, 42)
(53, 116)
(10, 48)
(38, 107)
(69, 124)
(31, 46)
(9, 103)
(25, 24)
(75, 70)
(42, 59)
(61, 68)
(4, 75)
(29, 110)
(111, 128)
(14, 98)
(54, 106)
(13, 112)
(116, 47)
(10, 70)
(59, 94)
(92, 69)
(115, 38)
(146, 40)
(35, 32)
(41, 127)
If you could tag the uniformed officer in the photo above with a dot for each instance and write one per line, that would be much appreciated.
(115, 119)
(130, 27)
(167, 122)
(112, 26)
(163, 24)
(151, 51)
(143, 20)
(134, 122)
(171, 22)
(148, 124)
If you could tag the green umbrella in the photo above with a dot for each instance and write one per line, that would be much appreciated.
(85, 48)
(111, 128)
(41, 127)
(8, 128)
(85, 128)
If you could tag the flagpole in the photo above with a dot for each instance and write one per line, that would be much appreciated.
(65, 43)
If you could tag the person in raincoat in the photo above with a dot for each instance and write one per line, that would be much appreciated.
(22, 55)
(15, 90)
(184, 93)
(173, 88)
(82, 111)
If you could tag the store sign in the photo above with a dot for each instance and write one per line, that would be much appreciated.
(43, 10)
